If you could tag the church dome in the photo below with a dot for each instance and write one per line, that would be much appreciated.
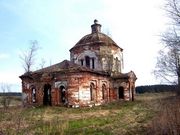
(96, 37)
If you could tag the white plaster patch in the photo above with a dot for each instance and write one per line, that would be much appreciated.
(60, 83)
(75, 95)
(84, 94)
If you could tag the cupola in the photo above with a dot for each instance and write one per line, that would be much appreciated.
(96, 28)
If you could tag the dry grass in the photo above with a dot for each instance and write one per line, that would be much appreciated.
(167, 120)
(124, 118)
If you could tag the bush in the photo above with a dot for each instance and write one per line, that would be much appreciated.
(5, 101)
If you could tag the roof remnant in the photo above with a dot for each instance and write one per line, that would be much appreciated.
(96, 37)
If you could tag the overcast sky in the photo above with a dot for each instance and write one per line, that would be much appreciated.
(57, 25)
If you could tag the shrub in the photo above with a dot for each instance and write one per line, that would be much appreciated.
(5, 101)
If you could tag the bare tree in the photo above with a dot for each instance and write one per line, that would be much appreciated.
(42, 63)
(172, 8)
(167, 66)
(28, 57)
(5, 100)
(168, 62)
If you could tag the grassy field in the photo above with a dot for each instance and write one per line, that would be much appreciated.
(140, 117)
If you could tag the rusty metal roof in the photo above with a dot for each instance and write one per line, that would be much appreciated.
(64, 66)
(96, 37)
(128, 75)
(69, 67)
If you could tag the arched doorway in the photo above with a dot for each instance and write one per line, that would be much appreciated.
(47, 94)
(62, 94)
(121, 92)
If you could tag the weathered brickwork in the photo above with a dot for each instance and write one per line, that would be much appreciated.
(93, 76)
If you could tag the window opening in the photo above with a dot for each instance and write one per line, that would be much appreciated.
(93, 64)
(87, 61)
(91, 91)
(82, 62)
(33, 95)
(62, 94)
(103, 91)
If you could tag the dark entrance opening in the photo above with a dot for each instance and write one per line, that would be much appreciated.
(121, 93)
(47, 94)
(62, 94)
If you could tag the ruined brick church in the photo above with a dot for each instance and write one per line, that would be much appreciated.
(93, 76)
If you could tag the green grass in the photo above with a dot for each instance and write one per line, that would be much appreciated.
(111, 119)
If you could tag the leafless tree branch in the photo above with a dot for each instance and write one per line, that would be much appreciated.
(28, 57)
(168, 61)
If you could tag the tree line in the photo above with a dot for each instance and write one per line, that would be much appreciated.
(156, 88)
(16, 94)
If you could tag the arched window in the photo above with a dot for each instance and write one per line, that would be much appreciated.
(103, 91)
(33, 95)
(62, 94)
(87, 59)
(82, 62)
(91, 91)
(104, 64)
(93, 64)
